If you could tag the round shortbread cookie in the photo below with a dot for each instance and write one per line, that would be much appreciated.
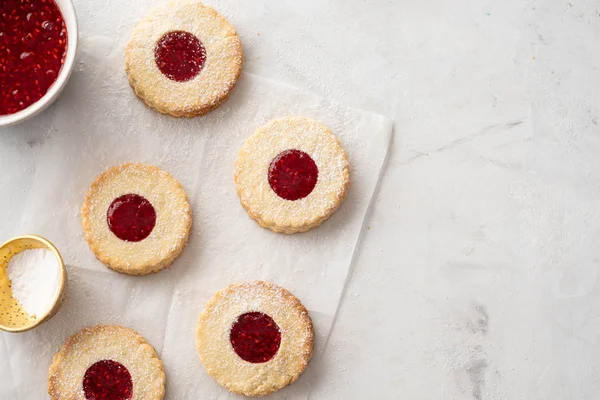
(292, 174)
(106, 362)
(183, 58)
(136, 218)
(254, 338)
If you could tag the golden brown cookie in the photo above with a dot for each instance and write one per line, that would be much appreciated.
(254, 338)
(136, 218)
(183, 58)
(292, 174)
(106, 362)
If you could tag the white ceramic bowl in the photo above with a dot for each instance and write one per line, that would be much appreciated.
(68, 12)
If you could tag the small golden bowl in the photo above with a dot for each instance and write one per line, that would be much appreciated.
(12, 316)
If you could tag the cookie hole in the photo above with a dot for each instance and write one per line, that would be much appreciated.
(293, 174)
(131, 217)
(180, 56)
(255, 337)
(107, 380)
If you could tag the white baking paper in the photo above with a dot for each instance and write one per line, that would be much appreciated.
(99, 123)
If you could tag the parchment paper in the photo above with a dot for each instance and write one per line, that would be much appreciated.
(99, 123)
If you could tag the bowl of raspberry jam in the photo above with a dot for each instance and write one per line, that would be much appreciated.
(38, 42)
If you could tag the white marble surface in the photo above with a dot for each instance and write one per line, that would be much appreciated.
(478, 276)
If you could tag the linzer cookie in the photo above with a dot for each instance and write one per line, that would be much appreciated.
(136, 218)
(254, 338)
(106, 362)
(183, 58)
(292, 174)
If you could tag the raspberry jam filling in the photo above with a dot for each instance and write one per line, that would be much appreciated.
(131, 217)
(180, 56)
(255, 337)
(107, 380)
(33, 46)
(293, 174)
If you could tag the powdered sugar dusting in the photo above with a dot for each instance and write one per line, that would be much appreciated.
(100, 123)
(254, 159)
(216, 351)
(224, 59)
(115, 343)
(173, 218)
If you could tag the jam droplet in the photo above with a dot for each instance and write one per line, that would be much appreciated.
(180, 56)
(131, 217)
(255, 337)
(293, 174)
(33, 40)
(107, 380)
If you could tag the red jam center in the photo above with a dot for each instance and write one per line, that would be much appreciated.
(255, 337)
(180, 56)
(107, 380)
(293, 175)
(131, 217)
(33, 46)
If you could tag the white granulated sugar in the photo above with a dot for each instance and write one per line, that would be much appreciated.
(34, 276)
